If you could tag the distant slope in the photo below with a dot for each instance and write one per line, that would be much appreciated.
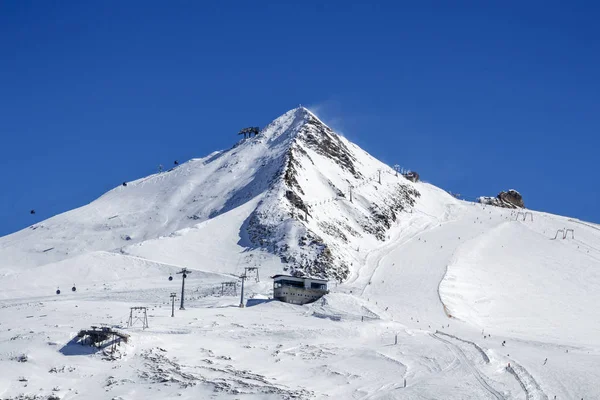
(518, 280)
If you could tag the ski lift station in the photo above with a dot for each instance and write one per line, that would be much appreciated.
(291, 289)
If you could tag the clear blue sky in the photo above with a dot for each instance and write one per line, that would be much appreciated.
(476, 96)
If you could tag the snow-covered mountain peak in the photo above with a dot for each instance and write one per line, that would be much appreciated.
(297, 171)
(284, 128)
(451, 282)
(298, 124)
(308, 216)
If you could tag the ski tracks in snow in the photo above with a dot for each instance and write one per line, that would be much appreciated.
(530, 387)
(528, 383)
(460, 355)
(380, 253)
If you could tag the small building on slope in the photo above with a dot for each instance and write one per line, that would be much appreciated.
(291, 289)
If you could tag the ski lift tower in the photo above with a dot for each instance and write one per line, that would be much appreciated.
(138, 314)
(184, 272)
(173, 295)
(249, 131)
(243, 278)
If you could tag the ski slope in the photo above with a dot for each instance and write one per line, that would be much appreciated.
(436, 305)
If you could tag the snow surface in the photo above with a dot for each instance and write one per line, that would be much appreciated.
(428, 301)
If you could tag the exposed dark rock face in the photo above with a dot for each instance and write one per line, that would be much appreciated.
(295, 200)
(291, 172)
(320, 138)
(508, 199)
(333, 230)
(315, 266)
(382, 217)
(312, 256)
(512, 197)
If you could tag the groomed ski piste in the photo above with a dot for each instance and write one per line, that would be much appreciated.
(455, 300)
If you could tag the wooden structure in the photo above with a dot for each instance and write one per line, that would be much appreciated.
(291, 289)
(97, 336)
(249, 131)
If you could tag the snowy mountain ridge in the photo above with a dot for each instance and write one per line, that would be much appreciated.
(296, 166)
(431, 297)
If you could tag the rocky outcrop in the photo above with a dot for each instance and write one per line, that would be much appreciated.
(383, 215)
(512, 197)
(508, 199)
(320, 138)
(411, 176)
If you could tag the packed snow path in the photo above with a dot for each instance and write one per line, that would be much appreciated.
(464, 361)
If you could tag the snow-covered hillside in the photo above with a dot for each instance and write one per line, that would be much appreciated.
(431, 297)
(297, 168)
